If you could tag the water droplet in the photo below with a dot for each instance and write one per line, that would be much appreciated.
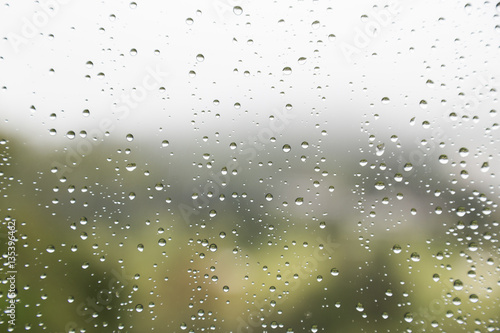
(130, 137)
(322, 225)
(436, 277)
(385, 100)
(396, 248)
(131, 167)
(415, 257)
(237, 10)
(70, 135)
(140, 247)
(461, 211)
(458, 285)
(379, 185)
(473, 298)
(225, 289)
(286, 148)
(302, 60)
(164, 143)
(133, 52)
(162, 242)
(315, 25)
(360, 307)
(50, 249)
(213, 247)
(139, 308)
(334, 271)
(443, 159)
(380, 149)
(408, 317)
(423, 104)
(269, 197)
(213, 213)
(287, 70)
(299, 201)
(200, 57)
(472, 247)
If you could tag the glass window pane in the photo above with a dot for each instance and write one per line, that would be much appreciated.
(249, 166)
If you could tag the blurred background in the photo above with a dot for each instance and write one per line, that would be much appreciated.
(250, 166)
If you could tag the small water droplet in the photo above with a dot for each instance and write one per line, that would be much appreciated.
(443, 159)
(458, 285)
(237, 10)
(396, 248)
(415, 257)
